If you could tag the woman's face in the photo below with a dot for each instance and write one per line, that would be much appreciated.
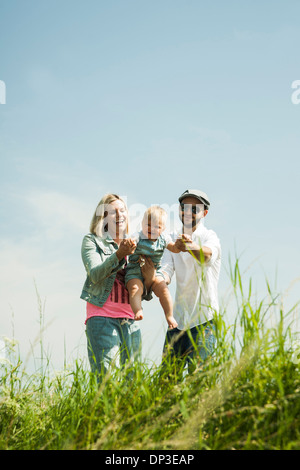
(115, 218)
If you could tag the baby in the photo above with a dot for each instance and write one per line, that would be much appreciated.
(151, 242)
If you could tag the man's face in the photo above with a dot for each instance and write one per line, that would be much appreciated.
(191, 211)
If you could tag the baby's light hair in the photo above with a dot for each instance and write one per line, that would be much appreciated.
(157, 214)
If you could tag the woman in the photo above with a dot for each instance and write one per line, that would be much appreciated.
(113, 335)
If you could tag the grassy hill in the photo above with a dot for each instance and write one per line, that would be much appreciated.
(246, 397)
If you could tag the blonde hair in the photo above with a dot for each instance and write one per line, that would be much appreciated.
(97, 223)
(157, 214)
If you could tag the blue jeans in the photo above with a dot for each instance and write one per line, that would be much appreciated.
(197, 343)
(112, 342)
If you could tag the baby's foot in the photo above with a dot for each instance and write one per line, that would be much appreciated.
(139, 315)
(172, 322)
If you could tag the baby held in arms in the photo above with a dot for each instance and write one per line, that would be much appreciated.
(151, 242)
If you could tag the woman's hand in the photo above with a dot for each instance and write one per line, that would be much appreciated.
(148, 272)
(127, 247)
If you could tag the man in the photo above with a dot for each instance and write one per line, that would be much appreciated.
(197, 269)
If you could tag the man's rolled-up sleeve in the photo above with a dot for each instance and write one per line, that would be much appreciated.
(213, 243)
(167, 264)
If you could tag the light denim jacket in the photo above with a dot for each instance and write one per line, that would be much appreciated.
(101, 264)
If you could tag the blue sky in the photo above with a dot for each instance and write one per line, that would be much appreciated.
(145, 99)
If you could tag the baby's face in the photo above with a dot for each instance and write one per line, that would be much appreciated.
(152, 228)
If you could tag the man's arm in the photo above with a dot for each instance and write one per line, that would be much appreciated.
(149, 272)
(167, 278)
(167, 262)
(202, 254)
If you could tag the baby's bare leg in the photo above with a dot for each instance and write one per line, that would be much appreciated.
(135, 289)
(161, 290)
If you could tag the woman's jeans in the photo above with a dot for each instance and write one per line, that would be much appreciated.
(112, 342)
(191, 346)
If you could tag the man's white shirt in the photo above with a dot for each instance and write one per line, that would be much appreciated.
(196, 297)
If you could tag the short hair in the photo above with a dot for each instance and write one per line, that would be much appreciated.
(156, 213)
(97, 226)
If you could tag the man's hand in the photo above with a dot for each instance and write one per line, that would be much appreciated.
(185, 243)
(148, 271)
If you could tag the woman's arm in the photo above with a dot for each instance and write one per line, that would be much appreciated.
(97, 268)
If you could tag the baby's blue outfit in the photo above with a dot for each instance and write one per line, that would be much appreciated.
(151, 249)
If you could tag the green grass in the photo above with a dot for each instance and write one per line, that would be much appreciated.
(246, 397)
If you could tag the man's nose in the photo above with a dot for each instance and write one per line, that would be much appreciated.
(188, 209)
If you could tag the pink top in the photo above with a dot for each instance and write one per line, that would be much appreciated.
(117, 304)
